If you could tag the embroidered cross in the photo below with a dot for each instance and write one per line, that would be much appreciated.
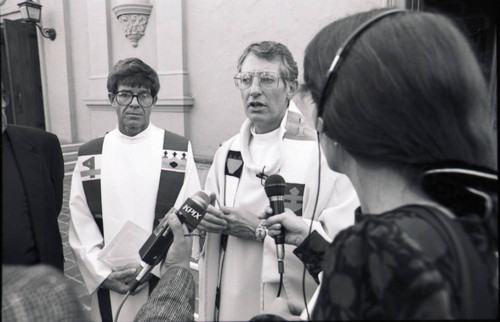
(294, 199)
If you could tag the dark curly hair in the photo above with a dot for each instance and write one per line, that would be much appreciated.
(133, 72)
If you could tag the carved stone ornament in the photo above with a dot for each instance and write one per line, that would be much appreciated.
(134, 19)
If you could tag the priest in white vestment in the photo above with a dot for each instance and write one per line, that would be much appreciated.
(127, 176)
(238, 268)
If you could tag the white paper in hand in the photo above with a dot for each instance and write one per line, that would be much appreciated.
(125, 245)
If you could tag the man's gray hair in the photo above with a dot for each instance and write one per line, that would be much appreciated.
(271, 50)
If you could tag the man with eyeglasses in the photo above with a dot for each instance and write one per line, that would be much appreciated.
(135, 173)
(239, 277)
(32, 194)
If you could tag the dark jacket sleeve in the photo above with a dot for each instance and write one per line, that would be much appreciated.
(172, 299)
(57, 171)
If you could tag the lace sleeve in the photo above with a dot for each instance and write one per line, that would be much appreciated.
(374, 270)
(311, 252)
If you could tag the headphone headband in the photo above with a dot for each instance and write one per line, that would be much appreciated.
(330, 75)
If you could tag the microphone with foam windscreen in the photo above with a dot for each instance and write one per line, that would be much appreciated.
(156, 247)
(275, 187)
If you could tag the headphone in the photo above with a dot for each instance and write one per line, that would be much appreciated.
(330, 77)
(343, 49)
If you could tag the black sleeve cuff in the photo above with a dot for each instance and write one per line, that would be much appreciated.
(311, 252)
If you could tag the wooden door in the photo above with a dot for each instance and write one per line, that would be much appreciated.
(21, 74)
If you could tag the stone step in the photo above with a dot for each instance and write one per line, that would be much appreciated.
(72, 147)
(69, 167)
(70, 155)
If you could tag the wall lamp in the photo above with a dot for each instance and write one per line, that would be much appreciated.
(31, 13)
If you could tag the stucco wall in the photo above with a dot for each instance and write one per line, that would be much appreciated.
(217, 33)
(193, 44)
(214, 34)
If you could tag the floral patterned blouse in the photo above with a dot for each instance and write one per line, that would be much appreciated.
(388, 266)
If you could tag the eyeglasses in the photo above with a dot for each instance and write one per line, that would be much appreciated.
(125, 98)
(268, 80)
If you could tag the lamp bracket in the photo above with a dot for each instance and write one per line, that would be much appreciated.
(47, 32)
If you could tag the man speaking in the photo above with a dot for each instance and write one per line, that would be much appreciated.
(238, 271)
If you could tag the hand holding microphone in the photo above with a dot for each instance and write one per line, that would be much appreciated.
(180, 251)
(282, 224)
(156, 247)
(294, 228)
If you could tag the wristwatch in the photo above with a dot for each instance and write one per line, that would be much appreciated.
(260, 232)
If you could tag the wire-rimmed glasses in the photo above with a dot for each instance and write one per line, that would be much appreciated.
(267, 80)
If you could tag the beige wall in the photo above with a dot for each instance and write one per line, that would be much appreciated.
(193, 44)
(217, 33)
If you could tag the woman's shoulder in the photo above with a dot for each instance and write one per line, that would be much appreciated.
(378, 256)
(395, 236)
(371, 232)
(403, 227)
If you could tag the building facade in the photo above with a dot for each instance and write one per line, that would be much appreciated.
(193, 44)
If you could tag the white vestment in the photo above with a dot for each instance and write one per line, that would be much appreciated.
(249, 279)
(130, 178)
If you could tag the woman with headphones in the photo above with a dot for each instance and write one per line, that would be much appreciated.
(402, 110)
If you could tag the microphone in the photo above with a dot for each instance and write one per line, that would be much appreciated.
(275, 187)
(156, 247)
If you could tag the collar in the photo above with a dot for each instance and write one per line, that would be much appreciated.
(245, 136)
(138, 137)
